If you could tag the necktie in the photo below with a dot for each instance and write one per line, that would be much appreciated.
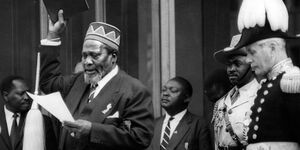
(92, 92)
(234, 95)
(166, 138)
(14, 133)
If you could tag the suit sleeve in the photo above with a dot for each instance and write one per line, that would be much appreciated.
(137, 129)
(204, 136)
(51, 77)
(290, 85)
(51, 138)
(292, 109)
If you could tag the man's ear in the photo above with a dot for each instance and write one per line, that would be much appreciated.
(5, 94)
(187, 99)
(115, 57)
(273, 45)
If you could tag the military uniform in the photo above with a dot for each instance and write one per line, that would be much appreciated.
(275, 122)
(238, 116)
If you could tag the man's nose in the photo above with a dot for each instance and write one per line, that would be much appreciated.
(231, 68)
(165, 93)
(87, 60)
(26, 97)
(248, 60)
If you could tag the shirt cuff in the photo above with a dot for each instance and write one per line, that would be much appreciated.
(52, 42)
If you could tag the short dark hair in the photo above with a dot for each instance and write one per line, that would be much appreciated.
(187, 87)
(7, 83)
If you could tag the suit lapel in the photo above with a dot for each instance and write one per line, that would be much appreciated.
(77, 92)
(21, 126)
(157, 133)
(181, 129)
(3, 125)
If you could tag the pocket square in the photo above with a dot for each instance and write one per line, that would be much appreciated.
(115, 115)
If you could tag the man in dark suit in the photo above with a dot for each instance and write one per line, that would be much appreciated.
(112, 110)
(14, 106)
(179, 129)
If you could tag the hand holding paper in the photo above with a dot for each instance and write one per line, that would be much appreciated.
(80, 128)
(54, 104)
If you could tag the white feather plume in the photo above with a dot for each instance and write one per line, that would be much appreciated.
(277, 15)
(254, 12)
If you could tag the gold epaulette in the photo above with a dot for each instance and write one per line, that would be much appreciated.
(290, 82)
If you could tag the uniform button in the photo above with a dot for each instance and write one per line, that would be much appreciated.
(274, 78)
(259, 109)
(254, 136)
(256, 119)
(262, 100)
(266, 92)
(230, 111)
(270, 85)
(256, 127)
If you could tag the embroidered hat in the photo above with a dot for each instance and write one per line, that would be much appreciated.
(262, 19)
(223, 55)
(257, 33)
(105, 33)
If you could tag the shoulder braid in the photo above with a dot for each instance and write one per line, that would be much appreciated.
(290, 82)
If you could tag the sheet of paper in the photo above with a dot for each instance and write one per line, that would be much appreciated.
(54, 104)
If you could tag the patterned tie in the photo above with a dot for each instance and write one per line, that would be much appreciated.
(14, 133)
(164, 143)
(92, 92)
(234, 95)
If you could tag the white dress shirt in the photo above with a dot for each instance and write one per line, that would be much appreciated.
(9, 119)
(105, 80)
(173, 123)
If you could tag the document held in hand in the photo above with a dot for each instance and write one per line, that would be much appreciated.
(70, 8)
(54, 104)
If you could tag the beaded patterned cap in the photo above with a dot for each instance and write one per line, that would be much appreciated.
(105, 33)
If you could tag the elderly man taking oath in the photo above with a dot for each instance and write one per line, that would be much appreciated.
(112, 110)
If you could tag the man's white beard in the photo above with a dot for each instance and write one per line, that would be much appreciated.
(92, 79)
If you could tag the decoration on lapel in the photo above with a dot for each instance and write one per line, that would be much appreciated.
(186, 145)
(108, 107)
(175, 132)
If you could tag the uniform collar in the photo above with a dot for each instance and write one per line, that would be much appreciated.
(248, 90)
(280, 67)
(252, 85)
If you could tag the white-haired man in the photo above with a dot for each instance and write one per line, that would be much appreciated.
(274, 119)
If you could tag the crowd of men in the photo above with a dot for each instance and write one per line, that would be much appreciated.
(113, 110)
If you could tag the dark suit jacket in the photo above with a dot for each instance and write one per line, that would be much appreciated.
(133, 129)
(5, 144)
(192, 134)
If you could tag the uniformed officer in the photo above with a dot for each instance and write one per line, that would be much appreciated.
(231, 112)
(275, 123)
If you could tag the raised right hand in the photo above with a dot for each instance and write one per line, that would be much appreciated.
(54, 30)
